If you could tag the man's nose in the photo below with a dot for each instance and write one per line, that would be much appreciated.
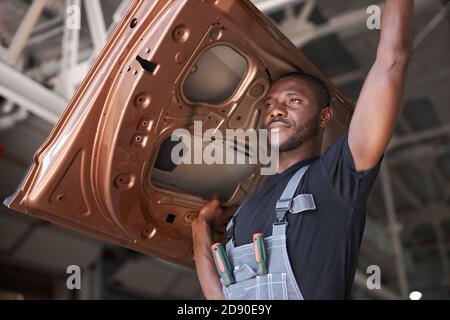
(277, 111)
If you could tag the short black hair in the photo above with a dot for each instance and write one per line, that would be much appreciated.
(321, 90)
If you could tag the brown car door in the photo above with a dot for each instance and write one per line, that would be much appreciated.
(105, 169)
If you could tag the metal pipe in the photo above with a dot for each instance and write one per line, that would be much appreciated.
(30, 94)
(96, 21)
(23, 33)
(394, 229)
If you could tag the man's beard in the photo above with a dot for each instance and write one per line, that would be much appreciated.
(303, 134)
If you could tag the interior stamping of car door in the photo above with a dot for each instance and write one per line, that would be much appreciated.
(105, 169)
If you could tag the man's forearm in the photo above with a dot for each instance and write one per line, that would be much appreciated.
(381, 97)
(396, 43)
(203, 238)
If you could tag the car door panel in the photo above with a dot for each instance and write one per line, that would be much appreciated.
(102, 171)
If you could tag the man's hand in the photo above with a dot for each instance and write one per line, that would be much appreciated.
(215, 216)
(381, 97)
(208, 228)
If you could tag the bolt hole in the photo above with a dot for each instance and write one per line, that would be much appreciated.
(147, 51)
(216, 34)
(60, 198)
(238, 118)
(133, 23)
(138, 138)
(170, 218)
(144, 123)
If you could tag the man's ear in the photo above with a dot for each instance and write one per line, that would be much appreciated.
(326, 115)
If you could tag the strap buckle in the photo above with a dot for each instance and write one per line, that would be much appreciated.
(283, 204)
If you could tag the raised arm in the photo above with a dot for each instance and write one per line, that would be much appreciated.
(381, 97)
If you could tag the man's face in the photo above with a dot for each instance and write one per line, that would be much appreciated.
(291, 108)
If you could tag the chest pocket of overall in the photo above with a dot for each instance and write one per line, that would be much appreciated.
(250, 286)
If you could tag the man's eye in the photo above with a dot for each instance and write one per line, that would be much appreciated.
(267, 106)
(295, 100)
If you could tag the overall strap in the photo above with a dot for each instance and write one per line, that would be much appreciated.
(231, 243)
(286, 202)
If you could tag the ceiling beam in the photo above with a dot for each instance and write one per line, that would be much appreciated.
(269, 6)
(414, 137)
(394, 229)
(22, 35)
(96, 21)
(30, 94)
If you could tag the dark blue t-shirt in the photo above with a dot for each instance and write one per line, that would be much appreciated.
(323, 244)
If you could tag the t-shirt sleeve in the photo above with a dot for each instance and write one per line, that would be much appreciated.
(353, 186)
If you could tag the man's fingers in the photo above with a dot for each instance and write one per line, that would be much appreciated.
(231, 210)
(215, 201)
(211, 206)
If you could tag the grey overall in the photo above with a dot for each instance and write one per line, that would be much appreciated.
(279, 283)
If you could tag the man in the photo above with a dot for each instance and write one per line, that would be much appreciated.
(323, 242)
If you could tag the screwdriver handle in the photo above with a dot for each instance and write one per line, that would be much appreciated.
(222, 263)
(260, 253)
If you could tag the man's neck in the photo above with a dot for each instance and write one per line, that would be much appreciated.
(308, 150)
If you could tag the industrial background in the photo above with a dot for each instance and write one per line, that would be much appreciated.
(408, 224)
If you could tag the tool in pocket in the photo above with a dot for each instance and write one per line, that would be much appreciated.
(222, 263)
(260, 253)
